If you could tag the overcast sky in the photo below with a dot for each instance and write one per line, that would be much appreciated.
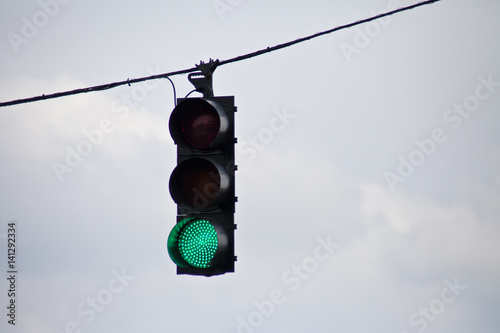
(368, 180)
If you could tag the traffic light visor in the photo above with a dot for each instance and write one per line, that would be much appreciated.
(199, 124)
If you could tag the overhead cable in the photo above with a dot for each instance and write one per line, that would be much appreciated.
(220, 63)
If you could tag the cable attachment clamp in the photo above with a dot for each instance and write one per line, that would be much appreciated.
(202, 80)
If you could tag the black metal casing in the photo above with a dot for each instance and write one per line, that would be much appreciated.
(220, 158)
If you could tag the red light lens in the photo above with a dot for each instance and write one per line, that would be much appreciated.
(199, 126)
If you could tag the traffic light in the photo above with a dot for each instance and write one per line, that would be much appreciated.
(202, 185)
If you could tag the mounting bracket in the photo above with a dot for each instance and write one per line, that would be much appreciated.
(202, 80)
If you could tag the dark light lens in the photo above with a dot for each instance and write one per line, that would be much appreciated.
(200, 184)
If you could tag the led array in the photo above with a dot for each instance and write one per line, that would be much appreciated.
(200, 126)
(198, 243)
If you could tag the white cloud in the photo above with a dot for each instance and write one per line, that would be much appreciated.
(427, 239)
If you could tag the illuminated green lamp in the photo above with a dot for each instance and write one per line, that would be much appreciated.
(197, 242)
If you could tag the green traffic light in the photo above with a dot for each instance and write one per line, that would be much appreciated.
(197, 243)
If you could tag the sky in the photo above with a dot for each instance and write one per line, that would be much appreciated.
(368, 167)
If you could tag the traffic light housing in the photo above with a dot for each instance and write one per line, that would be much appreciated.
(202, 185)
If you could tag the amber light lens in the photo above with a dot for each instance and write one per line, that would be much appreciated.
(199, 183)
